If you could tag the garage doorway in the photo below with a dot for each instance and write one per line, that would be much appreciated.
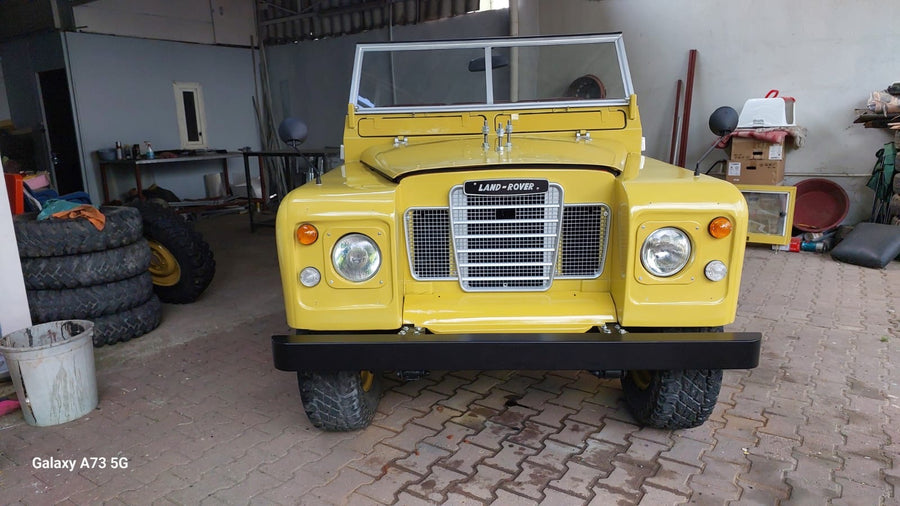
(56, 107)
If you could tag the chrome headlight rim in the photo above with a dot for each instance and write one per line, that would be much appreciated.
(356, 257)
(666, 252)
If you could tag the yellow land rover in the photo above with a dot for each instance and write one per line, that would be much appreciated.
(494, 211)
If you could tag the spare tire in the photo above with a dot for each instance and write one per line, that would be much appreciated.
(55, 237)
(89, 302)
(128, 324)
(86, 269)
(182, 264)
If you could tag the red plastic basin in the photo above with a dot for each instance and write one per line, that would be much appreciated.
(821, 205)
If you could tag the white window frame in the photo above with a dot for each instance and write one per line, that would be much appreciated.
(179, 88)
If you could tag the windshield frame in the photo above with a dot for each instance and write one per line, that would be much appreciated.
(488, 45)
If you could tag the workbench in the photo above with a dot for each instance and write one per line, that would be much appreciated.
(136, 167)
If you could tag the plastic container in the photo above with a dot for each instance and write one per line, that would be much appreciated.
(767, 113)
(52, 368)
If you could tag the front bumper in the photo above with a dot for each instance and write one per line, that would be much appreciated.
(590, 351)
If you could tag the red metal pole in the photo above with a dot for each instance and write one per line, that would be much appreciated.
(688, 95)
(673, 144)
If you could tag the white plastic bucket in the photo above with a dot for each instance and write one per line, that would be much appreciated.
(52, 368)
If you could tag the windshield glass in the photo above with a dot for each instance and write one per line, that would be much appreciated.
(491, 74)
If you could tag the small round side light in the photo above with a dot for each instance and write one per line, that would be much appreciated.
(720, 227)
(310, 277)
(307, 234)
(715, 270)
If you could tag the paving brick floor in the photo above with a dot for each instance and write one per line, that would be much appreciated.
(202, 417)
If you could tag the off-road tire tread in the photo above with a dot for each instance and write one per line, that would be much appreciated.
(58, 237)
(86, 269)
(335, 401)
(194, 256)
(91, 301)
(675, 399)
(128, 324)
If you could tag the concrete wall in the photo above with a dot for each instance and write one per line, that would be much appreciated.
(123, 92)
(311, 80)
(828, 54)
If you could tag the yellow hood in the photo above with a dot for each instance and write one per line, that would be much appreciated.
(396, 162)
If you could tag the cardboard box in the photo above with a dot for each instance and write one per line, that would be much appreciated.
(746, 149)
(764, 172)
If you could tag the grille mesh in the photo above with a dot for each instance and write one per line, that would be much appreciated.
(507, 243)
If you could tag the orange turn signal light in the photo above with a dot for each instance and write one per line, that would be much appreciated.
(720, 227)
(307, 234)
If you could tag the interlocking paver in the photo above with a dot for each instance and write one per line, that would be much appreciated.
(421, 460)
(554, 497)
(483, 483)
(433, 487)
(200, 424)
(510, 457)
(385, 488)
(467, 457)
(532, 480)
(577, 480)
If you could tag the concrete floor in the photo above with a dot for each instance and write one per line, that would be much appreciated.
(201, 416)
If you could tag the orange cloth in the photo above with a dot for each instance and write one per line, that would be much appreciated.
(91, 213)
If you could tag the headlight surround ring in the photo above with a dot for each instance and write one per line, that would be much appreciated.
(356, 257)
(666, 251)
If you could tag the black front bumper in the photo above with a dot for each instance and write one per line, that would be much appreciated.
(450, 352)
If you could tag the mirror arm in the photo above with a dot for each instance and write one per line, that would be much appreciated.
(708, 151)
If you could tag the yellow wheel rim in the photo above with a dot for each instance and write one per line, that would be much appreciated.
(641, 379)
(164, 267)
(366, 380)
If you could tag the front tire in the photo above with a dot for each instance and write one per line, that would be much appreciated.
(672, 399)
(340, 401)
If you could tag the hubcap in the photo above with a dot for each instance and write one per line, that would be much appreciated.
(164, 267)
(366, 380)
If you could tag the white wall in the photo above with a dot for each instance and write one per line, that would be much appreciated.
(828, 54)
(203, 21)
(14, 313)
(122, 89)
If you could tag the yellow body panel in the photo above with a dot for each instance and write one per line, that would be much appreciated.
(402, 161)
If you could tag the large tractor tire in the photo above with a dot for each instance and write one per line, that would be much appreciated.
(56, 237)
(182, 264)
(86, 269)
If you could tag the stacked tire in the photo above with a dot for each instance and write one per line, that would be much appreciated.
(74, 271)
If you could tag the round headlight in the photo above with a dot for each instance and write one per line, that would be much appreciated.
(665, 252)
(356, 257)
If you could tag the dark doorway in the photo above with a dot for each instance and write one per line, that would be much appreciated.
(60, 124)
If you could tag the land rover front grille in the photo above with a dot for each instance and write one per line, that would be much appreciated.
(507, 242)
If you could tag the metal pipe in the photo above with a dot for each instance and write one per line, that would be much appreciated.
(688, 96)
(674, 143)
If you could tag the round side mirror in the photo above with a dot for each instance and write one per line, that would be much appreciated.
(723, 121)
(292, 131)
